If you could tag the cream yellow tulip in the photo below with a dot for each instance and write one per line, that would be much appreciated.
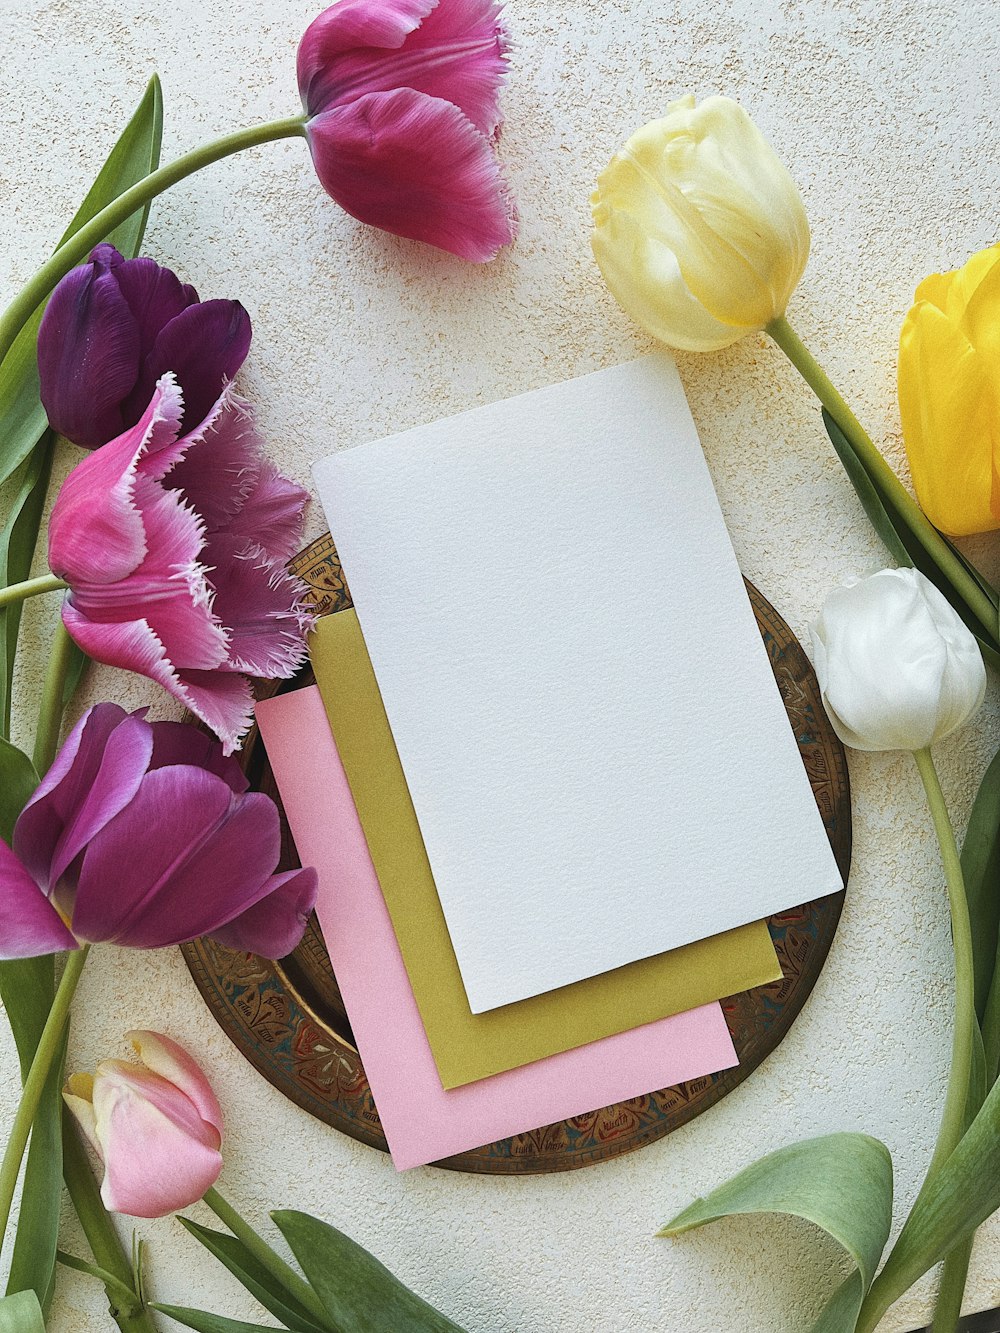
(699, 229)
(949, 395)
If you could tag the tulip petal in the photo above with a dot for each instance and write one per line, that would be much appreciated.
(222, 459)
(78, 1095)
(204, 346)
(274, 926)
(345, 26)
(262, 607)
(949, 411)
(96, 774)
(644, 277)
(272, 513)
(29, 924)
(153, 1166)
(182, 743)
(210, 859)
(155, 295)
(457, 53)
(88, 344)
(173, 1063)
(223, 702)
(96, 533)
(416, 166)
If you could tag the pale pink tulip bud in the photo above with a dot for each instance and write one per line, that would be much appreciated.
(156, 1125)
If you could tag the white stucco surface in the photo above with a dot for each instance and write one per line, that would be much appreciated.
(884, 111)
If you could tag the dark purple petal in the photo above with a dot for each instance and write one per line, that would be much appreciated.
(182, 743)
(185, 857)
(155, 296)
(95, 774)
(88, 356)
(274, 925)
(260, 605)
(204, 346)
(29, 924)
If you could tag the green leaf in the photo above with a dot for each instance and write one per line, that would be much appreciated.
(18, 539)
(258, 1281)
(359, 1293)
(21, 1314)
(204, 1322)
(18, 781)
(841, 1183)
(981, 871)
(134, 156)
(35, 1243)
(904, 545)
(962, 1194)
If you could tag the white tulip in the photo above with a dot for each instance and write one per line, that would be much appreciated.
(897, 667)
(699, 229)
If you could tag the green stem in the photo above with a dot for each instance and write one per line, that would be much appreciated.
(931, 540)
(102, 1237)
(20, 592)
(886, 1288)
(78, 246)
(50, 712)
(286, 1275)
(48, 1047)
(953, 1118)
(948, 1307)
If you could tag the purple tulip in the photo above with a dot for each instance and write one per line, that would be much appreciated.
(175, 548)
(403, 105)
(112, 327)
(145, 834)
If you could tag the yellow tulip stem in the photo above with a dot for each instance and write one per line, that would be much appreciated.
(933, 543)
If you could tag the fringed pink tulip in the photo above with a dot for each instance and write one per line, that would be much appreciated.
(157, 1127)
(174, 548)
(145, 834)
(403, 105)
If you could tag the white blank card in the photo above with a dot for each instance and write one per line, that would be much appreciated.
(595, 746)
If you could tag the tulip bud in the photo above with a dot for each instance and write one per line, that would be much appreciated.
(897, 667)
(949, 394)
(157, 1127)
(699, 229)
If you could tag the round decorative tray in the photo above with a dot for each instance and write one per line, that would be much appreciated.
(288, 1018)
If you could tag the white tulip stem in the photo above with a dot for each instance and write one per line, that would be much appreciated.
(938, 550)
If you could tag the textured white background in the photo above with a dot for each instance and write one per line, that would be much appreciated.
(884, 111)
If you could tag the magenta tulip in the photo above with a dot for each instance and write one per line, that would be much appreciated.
(112, 327)
(174, 550)
(402, 99)
(145, 834)
(156, 1126)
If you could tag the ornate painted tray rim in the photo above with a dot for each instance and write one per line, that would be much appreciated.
(289, 1022)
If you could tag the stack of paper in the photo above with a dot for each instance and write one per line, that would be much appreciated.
(571, 762)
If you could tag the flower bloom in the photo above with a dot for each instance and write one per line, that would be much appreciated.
(402, 99)
(156, 1126)
(174, 547)
(897, 667)
(699, 230)
(112, 327)
(949, 395)
(145, 834)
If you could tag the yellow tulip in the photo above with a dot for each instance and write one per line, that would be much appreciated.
(699, 229)
(949, 395)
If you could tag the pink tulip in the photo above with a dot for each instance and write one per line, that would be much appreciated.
(157, 1127)
(402, 98)
(174, 548)
(144, 834)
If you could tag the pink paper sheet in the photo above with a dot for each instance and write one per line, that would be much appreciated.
(423, 1122)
